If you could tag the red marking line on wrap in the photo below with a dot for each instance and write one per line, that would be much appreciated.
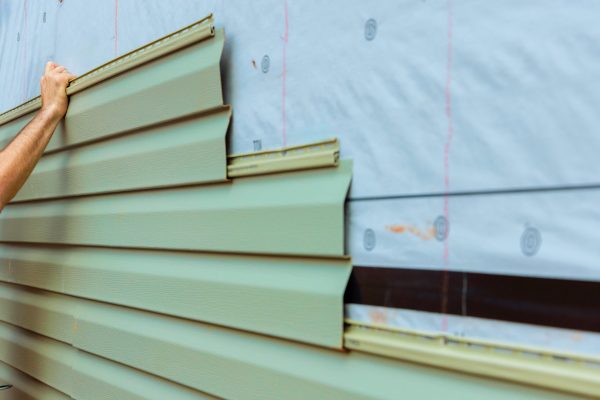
(447, 148)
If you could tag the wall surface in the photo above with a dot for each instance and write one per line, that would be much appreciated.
(467, 117)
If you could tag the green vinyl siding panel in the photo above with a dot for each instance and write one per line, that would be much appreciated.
(96, 379)
(300, 213)
(179, 84)
(81, 375)
(289, 297)
(19, 306)
(191, 150)
(42, 358)
(164, 89)
(226, 363)
(24, 387)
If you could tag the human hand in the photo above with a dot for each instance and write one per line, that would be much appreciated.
(53, 87)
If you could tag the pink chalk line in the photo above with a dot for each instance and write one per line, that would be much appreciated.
(447, 147)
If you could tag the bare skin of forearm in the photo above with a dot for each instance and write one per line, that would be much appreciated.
(19, 158)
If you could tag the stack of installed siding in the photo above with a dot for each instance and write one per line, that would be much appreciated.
(128, 240)
(132, 268)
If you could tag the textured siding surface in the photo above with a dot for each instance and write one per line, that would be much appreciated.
(82, 375)
(24, 387)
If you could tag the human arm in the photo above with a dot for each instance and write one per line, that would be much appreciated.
(18, 159)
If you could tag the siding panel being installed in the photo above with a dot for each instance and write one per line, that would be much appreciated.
(161, 89)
